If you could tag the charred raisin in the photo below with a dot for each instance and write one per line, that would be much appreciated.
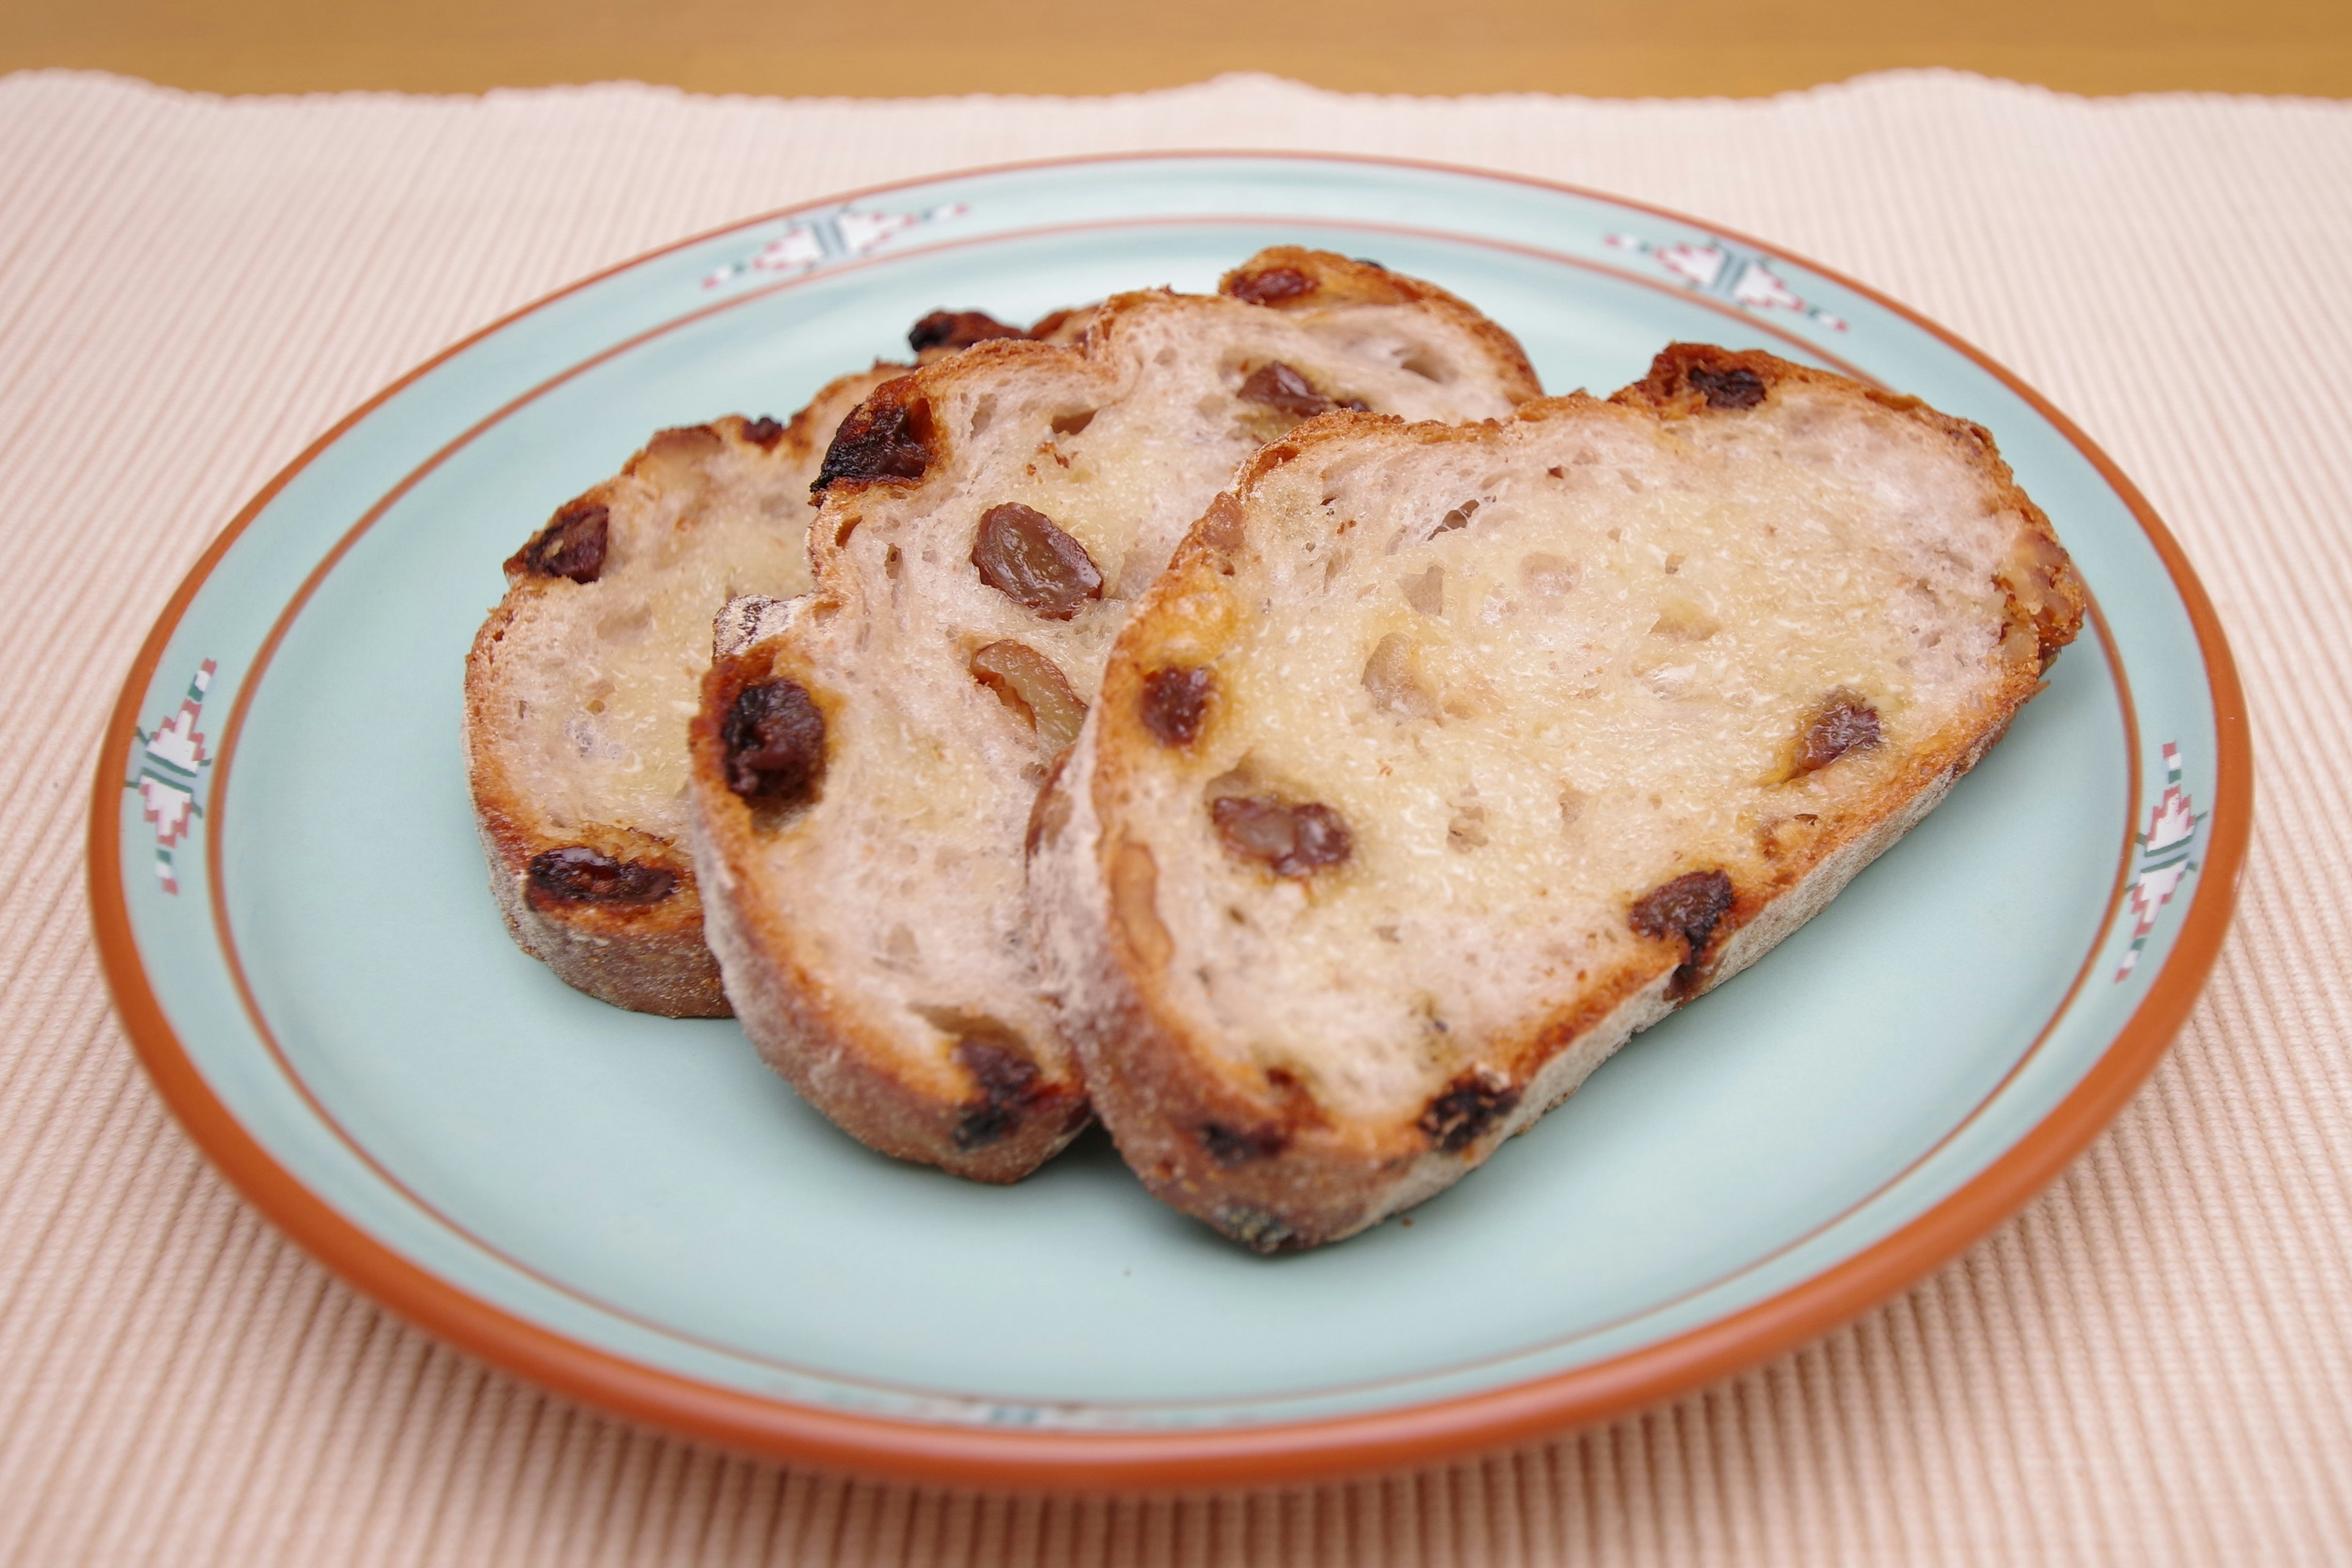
(1733, 388)
(1689, 907)
(763, 432)
(571, 546)
(1231, 1146)
(1006, 1079)
(579, 874)
(1463, 1111)
(1292, 840)
(1175, 699)
(1842, 723)
(774, 736)
(1021, 555)
(882, 438)
(958, 330)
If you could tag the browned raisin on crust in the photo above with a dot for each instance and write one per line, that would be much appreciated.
(1842, 723)
(1689, 907)
(1292, 840)
(1733, 388)
(571, 546)
(958, 330)
(1270, 285)
(1021, 553)
(1174, 702)
(579, 874)
(1231, 1146)
(774, 736)
(1007, 1080)
(1461, 1113)
(763, 432)
(882, 438)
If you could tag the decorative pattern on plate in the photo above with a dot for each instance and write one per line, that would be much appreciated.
(2164, 862)
(170, 772)
(1728, 272)
(829, 237)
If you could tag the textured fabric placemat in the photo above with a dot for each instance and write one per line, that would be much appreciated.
(2153, 1364)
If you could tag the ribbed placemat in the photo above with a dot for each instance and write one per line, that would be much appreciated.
(2153, 1364)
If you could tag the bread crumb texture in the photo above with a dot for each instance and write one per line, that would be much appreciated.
(1535, 673)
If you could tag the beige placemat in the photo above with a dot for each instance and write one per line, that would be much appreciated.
(2152, 1365)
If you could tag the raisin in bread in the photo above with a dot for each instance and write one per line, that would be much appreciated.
(1444, 758)
(866, 757)
(581, 682)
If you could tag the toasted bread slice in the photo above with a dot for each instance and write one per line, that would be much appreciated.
(581, 682)
(1444, 758)
(865, 758)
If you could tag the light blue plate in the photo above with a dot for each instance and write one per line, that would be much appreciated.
(294, 911)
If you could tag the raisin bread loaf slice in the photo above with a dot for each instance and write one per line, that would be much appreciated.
(581, 682)
(1445, 759)
(865, 758)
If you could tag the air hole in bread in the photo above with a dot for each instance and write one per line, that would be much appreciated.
(1071, 423)
(1425, 591)
(983, 413)
(1393, 676)
(626, 625)
(1546, 575)
(1467, 830)
(1458, 518)
(1420, 363)
(1683, 620)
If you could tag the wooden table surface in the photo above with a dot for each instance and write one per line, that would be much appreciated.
(918, 47)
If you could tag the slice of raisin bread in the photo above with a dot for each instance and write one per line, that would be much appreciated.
(865, 758)
(1444, 758)
(581, 682)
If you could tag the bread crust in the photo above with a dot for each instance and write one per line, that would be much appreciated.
(791, 1005)
(1273, 1170)
(646, 957)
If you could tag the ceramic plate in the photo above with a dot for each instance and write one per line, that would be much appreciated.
(293, 911)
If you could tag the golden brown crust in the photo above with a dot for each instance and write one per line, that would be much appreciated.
(803, 1031)
(1253, 1158)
